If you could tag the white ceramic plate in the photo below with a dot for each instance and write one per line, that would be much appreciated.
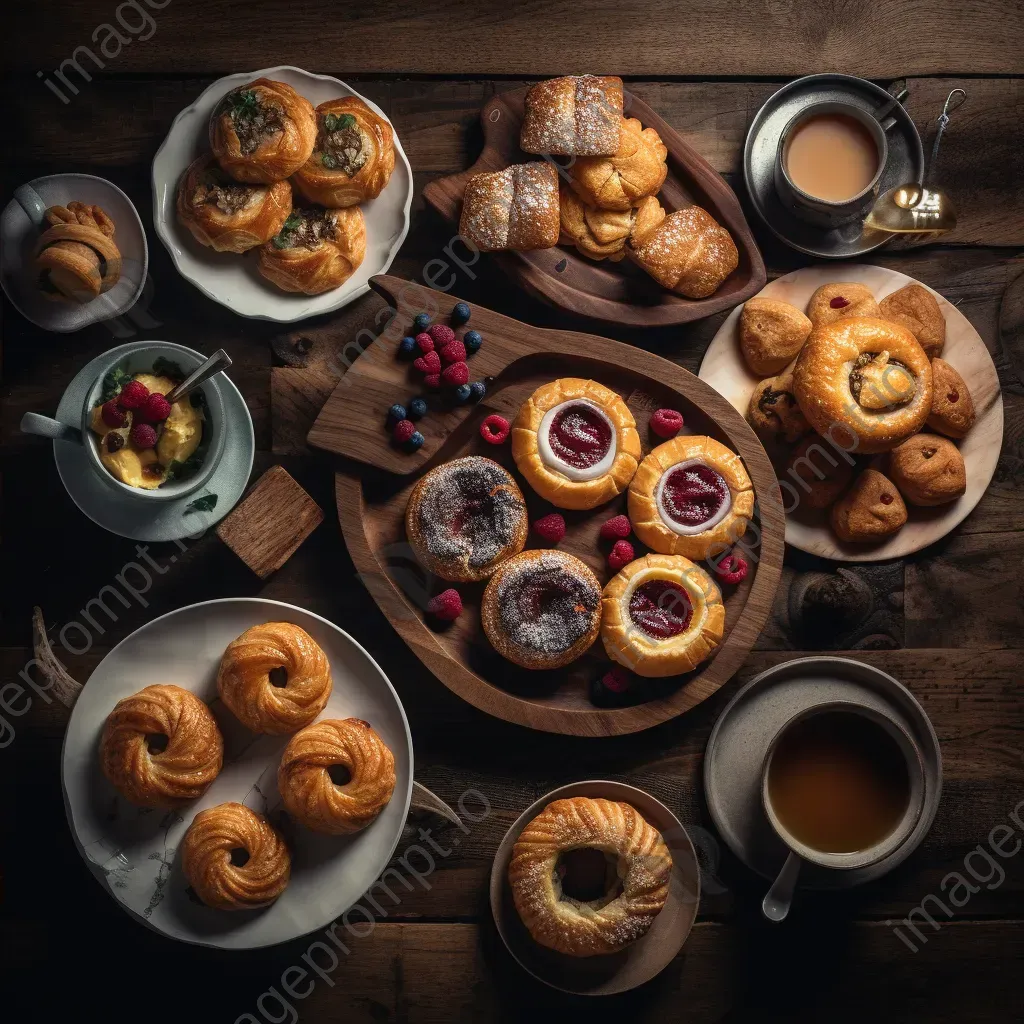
(19, 235)
(132, 851)
(232, 279)
(726, 371)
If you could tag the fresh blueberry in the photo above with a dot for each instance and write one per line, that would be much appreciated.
(472, 341)
(416, 441)
(396, 413)
(463, 393)
(417, 408)
(460, 313)
(407, 346)
(479, 389)
(421, 321)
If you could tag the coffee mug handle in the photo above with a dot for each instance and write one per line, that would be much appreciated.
(779, 898)
(31, 202)
(45, 426)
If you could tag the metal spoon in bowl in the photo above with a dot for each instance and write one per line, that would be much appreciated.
(219, 361)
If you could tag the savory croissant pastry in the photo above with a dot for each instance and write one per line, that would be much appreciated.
(516, 208)
(228, 215)
(316, 250)
(599, 234)
(636, 169)
(262, 132)
(578, 115)
(76, 258)
(353, 157)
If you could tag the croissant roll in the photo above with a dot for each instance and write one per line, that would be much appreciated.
(353, 157)
(262, 132)
(637, 169)
(310, 794)
(135, 759)
(76, 258)
(228, 215)
(315, 251)
(234, 859)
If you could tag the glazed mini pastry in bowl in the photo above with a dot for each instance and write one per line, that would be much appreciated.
(870, 511)
(598, 234)
(228, 215)
(771, 334)
(542, 609)
(915, 308)
(617, 182)
(465, 518)
(262, 132)
(234, 859)
(952, 411)
(576, 443)
(832, 302)
(516, 208)
(353, 157)
(307, 774)
(275, 678)
(315, 251)
(774, 412)
(577, 115)
(866, 381)
(161, 747)
(661, 616)
(690, 496)
(928, 470)
(637, 870)
(76, 258)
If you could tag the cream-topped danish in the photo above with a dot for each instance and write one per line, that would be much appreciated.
(576, 443)
(690, 495)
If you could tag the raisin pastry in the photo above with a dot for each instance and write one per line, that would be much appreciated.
(661, 616)
(598, 234)
(578, 115)
(516, 208)
(76, 258)
(915, 308)
(771, 334)
(928, 470)
(867, 378)
(870, 511)
(636, 169)
(353, 157)
(774, 412)
(818, 472)
(228, 215)
(691, 496)
(952, 411)
(576, 443)
(832, 302)
(262, 132)
(315, 251)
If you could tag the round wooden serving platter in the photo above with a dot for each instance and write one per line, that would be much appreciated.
(726, 371)
(600, 290)
(373, 490)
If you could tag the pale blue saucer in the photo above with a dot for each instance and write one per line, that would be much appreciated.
(153, 520)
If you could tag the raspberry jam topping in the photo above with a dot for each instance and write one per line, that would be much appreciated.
(839, 302)
(579, 435)
(660, 608)
(693, 494)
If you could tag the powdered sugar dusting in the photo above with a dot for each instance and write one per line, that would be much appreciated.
(576, 115)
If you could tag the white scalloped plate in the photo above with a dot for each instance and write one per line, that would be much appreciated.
(726, 371)
(232, 279)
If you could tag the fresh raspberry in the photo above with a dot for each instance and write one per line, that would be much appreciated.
(403, 430)
(667, 422)
(617, 528)
(429, 362)
(621, 554)
(453, 352)
(732, 569)
(442, 334)
(456, 374)
(494, 429)
(424, 342)
(616, 679)
(838, 302)
(550, 527)
(432, 380)
(155, 409)
(446, 606)
(143, 436)
(133, 394)
(113, 415)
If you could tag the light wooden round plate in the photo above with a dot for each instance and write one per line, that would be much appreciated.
(634, 965)
(726, 371)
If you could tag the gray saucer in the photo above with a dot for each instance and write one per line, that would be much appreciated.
(153, 520)
(905, 161)
(740, 739)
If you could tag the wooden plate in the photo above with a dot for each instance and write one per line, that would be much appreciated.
(613, 292)
(725, 369)
(636, 964)
(372, 497)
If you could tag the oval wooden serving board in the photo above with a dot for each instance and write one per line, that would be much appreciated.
(373, 489)
(612, 292)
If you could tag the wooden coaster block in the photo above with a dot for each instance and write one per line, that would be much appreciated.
(266, 529)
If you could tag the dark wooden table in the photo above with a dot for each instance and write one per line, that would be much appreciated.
(948, 622)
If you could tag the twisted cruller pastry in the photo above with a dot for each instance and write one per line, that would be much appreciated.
(643, 866)
(252, 688)
(76, 258)
(140, 767)
(222, 875)
(311, 796)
